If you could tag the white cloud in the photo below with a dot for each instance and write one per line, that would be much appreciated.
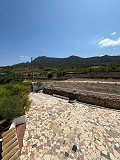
(114, 33)
(109, 42)
(21, 56)
(24, 58)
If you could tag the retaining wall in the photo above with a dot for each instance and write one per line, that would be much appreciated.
(104, 101)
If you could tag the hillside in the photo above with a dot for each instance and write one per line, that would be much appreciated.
(44, 61)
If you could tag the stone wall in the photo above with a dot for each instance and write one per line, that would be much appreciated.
(99, 100)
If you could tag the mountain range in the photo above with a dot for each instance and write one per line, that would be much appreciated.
(44, 61)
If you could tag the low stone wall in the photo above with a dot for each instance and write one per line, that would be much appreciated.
(101, 100)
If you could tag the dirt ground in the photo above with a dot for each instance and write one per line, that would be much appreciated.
(88, 85)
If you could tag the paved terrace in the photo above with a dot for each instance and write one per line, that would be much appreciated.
(58, 130)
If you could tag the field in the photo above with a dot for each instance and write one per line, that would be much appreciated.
(98, 92)
(99, 86)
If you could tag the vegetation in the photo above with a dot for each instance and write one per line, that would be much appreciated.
(39, 84)
(59, 72)
(14, 100)
(77, 61)
(11, 77)
(63, 68)
(50, 75)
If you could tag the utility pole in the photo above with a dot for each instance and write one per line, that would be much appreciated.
(32, 75)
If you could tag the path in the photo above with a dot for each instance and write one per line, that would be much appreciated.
(58, 130)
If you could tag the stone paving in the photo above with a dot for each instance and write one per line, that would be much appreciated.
(58, 130)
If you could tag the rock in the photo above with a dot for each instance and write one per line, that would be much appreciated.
(66, 154)
(74, 148)
(34, 145)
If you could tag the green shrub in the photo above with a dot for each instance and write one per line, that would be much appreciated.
(59, 74)
(50, 75)
(28, 85)
(14, 100)
(40, 86)
(64, 73)
(11, 77)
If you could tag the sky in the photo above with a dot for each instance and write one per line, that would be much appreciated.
(58, 28)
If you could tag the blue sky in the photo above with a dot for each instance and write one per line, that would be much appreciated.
(58, 28)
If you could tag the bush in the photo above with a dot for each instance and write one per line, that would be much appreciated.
(64, 73)
(14, 100)
(40, 86)
(28, 85)
(50, 75)
(59, 74)
(11, 77)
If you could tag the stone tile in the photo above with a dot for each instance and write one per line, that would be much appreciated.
(46, 157)
(54, 126)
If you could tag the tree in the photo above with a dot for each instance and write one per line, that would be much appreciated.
(50, 75)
